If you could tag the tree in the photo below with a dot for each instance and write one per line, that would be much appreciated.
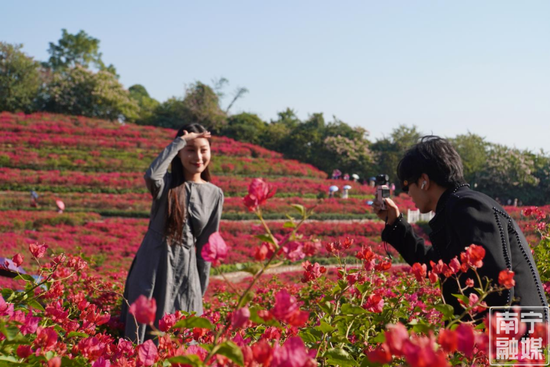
(147, 105)
(201, 105)
(508, 174)
(246, 127)
(76, 49)
(472, 149)
(19, 79)
(78, 91)
(388, 151)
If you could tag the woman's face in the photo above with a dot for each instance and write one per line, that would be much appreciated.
(195, 157)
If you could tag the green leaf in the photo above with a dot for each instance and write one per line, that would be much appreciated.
(324, 327)
(446, 310)
(247, 298)
(308, 337)
(232, 351)
(193, 322)
(76, 333)
(9, 332)
(339, 356)
(462, 297)
(267, 238)
(348, 309)
(25, 277)
(380, 338)
(253, 268)
(190, 359)
(34, 303)
(289, 224)
(300, 209)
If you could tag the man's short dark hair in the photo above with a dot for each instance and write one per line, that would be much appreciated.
(435, 157)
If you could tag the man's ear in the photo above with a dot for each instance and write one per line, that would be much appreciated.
(424, 182)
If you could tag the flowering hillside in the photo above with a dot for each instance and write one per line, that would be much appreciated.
(364, 310)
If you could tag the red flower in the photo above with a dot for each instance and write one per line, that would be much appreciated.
(419, 271)
(215, 250)
(144, 310)
(258, 193)
(448, 340)
(287, 309)
(240, 317)
(265, 251)
(147, 353)
(396, 336)
(262, 352)
(466, 339)
(506, 278)
(293, 251)
(37, 250)
(293, 353)
(380, 355)
(17, 260)
(473, 256)
(375, 303)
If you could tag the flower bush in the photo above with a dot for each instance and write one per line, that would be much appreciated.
(367, 314)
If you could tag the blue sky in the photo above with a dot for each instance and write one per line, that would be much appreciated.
(448, 67)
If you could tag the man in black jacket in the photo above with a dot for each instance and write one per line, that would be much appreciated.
(431, 173)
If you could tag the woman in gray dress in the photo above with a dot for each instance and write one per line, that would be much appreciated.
(186, 210)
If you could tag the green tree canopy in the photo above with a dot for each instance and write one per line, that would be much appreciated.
(76, 49)
(245, 127)
(147, 105)
(19, 79)
(78, 91)
(388, 151)
(472, 149)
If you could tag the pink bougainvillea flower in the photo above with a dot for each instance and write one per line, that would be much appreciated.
(37, 250)
(23, 351)
(285, 305)
(374, 303)
(46, 338)
(262, 352)
(396, 335)
(380, 355)
(465, 339)
(240, 317)
(30, 325)
(17, 260)
(147, 353)
(472, 257)
(167, 322)
(102, 362)
(258, 193)
(54, 362)
(506, 279)
(215, 251)
(293, 251)
(293, 353)
(265, 251)
(144, 310)
(419, 271)
(448, 340)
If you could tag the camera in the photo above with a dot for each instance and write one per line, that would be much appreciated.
(382, 190)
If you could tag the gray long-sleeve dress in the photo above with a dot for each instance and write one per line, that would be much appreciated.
(174, 274)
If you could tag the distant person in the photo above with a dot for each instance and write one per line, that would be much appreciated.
(431, 173)
(346, 177)
(186, 210)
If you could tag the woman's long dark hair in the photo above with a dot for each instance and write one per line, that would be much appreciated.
(177, 196)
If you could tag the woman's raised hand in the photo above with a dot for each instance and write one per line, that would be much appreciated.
(187, 136)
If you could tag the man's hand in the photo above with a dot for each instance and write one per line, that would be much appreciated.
(390, 214)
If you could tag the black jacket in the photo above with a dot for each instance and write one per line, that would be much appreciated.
(464, 217)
